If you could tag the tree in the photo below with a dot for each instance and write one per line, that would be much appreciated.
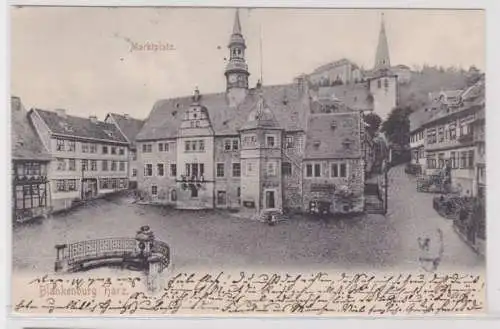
(373, 120)
(472, 76)
(397, 127)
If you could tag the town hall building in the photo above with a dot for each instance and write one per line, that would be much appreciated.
(288, 146)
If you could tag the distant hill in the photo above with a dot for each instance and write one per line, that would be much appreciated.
(415, 93)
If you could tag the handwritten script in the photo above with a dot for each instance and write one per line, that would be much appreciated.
(266, 293)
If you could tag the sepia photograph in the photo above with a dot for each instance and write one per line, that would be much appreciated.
(169, 160)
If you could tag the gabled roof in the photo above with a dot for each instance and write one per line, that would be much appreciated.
(69, 125)
(25, 143)
(290, 106)
(333, 136)
(130, 127)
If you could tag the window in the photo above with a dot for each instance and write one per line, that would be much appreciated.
(194, 192)
(104, 165)
(93, 148)
(148, 170)
(250, 140)
(453, 160)
(227, 145)
(134, 155)
(121, 151)
(236, 170)
(379, 84)
(71, 146)
(221, 198)
(113, 165)
(85, 148)
(289, 142)
(173, 195)
(441, 133)
(286, 168)
(431, 161)
(61, 164)
(60, 145)
(113, 150)
(270, 141)
(104, 150)
(72, 164)
(154, 190)
(65, 185)
(463, 160)
(201, 145)
(173, 170)
(386, 83)
(271, 169)
(160, 147)
(313, 170)
(187, 146)
(122, 165)
(220, 170)
(441, 160)
(85, 165)
(147, 148)
(431, 136)
(231, 144)
(471, 159)
(453, 131)
(160, 169)
(134, 172)
(339, 170)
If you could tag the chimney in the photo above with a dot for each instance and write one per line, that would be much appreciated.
(93, 118)
(61, 113)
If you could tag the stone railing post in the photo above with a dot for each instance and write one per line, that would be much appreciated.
(145, 239)
(60, 261)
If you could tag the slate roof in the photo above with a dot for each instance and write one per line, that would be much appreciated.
(261, 116)
(354, 96)
(333, 136)
(419, 117)
(331, 65)
(80, 127)
(25, 143)
(130, 127)
(289, 105)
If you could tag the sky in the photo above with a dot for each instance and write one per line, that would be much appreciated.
(82, 59)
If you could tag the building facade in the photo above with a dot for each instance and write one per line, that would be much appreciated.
(129, 127)
(30, 185)
(89, 157)
(450, 133)
(254, 148)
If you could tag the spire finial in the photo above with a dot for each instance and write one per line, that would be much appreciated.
(237, 25)
(382, 60)
(196, 96)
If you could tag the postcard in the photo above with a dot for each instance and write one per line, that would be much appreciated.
(191, 161)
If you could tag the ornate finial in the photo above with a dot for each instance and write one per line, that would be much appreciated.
(196, 96)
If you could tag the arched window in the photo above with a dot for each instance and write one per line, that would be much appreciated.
(379, 84)
(173, 195)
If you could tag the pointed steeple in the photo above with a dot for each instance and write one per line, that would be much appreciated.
(237, 68)
(382, 60)
(237, 25)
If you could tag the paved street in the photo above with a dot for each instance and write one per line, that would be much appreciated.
(217, 240)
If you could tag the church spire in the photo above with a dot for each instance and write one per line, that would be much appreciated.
(382, 60)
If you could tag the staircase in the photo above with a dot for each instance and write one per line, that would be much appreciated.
(373, 205)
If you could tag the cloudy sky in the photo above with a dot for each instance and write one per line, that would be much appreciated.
(81, 59)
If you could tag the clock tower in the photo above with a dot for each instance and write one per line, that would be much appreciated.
(237, 69)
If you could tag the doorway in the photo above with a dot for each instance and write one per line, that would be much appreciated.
(270, 199)
(89, 188)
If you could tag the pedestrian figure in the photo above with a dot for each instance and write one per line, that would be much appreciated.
(431, 250)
